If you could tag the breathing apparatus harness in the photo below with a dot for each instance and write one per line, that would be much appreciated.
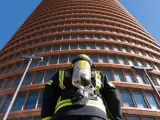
(82, 79)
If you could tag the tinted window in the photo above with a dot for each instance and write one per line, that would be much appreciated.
(118, 75)
(32, 99)
(49, 75)
(129, 76)
(39, 77)
(82, 46)
(147, 118)
(6, 103)
(53, 59)
(126, 98)
(140, 100)
(8, 84)
(108, 73)
(45, 61)
(112, 59)
(65, 47)
(28, 79)
(40, 100)
(153, 103)
(122, 60)
(102, 59)
(133, 118)
(140, 78)
(63, 59)
(19, 102)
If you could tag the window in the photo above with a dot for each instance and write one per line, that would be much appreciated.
(126, 98)
(58, 38)
(49, 75)
(38, 77)
(25, 119)
(74, 36)
(28, 79)
(56, 48)
(140, 78)
(19, 102)
(90, 46)
(53, 59)
(8, 84)
(6, 103)
(16, 82)
(102, 59)
(122, 60)
(82, 46)
(94, 58)
(45, 61)
(140, 100)
(37, 118)
(129, 77)
(32, 99)
(1, 98)
(99, 46)
(64, 46)
(147, 118)
(63, 59)
(132, 62)
(72, 56)
(34, 63)
(40, 100)
(73, 46)
(48, 48)
(108, 73)
(118, 75)
(17, 66)
(39, 50)
(112, 59)
(153, 103)
(133, 118)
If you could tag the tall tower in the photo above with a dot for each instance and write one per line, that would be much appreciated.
(59, 30)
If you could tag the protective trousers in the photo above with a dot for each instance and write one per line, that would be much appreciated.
(78, 117)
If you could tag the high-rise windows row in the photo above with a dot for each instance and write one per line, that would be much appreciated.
(33, 100)
(87, 46)
(139, 99)
(30, 79)
(119, 75)
(24, 101)
(98, 58)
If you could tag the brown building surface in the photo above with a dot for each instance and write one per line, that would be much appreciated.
(59, 30)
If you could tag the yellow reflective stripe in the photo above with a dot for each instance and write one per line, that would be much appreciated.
(63, 105)
(62, 102)
(99, 104)
(50, 82)
(59, 99)
(47, 118)
(61, 79)
(98, 79)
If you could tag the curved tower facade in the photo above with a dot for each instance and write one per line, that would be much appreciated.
(59, 30)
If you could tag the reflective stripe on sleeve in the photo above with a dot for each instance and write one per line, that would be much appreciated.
(50, 82)
(47, 118)
(61, 79)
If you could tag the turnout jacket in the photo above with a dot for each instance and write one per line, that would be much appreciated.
(56, 102)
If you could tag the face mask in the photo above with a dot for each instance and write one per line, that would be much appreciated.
(81, 74)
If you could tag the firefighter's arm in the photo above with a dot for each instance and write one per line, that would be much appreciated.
(113, 104)
(50, 97)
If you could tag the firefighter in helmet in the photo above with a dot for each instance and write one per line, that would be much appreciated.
(80, 93)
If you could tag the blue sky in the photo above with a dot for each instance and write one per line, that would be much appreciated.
(13, 13)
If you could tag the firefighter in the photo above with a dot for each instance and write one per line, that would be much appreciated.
(80, 93)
